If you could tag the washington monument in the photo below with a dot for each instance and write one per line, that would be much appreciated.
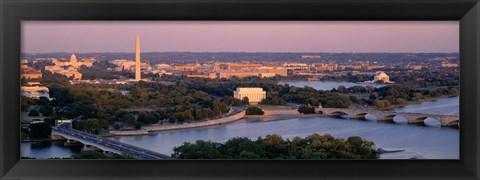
(137, 59)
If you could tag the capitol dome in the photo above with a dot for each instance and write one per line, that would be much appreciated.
(73, 58)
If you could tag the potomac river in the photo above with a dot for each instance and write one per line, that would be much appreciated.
(419, 142)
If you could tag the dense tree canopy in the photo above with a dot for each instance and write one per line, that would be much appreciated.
(40, 130)
(306, 110)
(277, 94)
(253, 110)
(90, 125)
(98, 155)
(191, 99)
(275, 147)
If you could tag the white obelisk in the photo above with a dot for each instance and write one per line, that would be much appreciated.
(137, 59)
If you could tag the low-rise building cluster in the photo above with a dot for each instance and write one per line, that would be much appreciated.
(70, 68)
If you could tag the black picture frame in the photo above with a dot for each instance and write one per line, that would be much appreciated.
(12, 12)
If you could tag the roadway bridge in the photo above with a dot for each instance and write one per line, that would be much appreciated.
(413, 118)
(107, 145)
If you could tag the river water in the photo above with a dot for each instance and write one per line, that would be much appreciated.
(420, 142)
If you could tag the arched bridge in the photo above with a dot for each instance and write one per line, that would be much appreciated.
(413, 118)
(65, 130)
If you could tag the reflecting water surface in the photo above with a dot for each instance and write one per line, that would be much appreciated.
(418, 142)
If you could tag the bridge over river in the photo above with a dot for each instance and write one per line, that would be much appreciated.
(412, 118)
(107, 145)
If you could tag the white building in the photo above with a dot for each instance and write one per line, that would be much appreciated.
(267, 75)
(254, 95)
(296, 66)
(163, 66)
(380, 75)
(35, 92)
(72, 66)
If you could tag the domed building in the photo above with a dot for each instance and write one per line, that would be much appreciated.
(380, 75)
(72, 66)
(73, 59)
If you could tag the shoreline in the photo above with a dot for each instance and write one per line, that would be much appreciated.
(155, 127)
(282, 117)
(418, 102)
(271, 113)
(41, 140)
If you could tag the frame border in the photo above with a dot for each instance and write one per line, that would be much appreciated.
(12, 12)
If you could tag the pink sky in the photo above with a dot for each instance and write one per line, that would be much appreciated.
(241, 36)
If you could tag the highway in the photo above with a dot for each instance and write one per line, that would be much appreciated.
(134, 151)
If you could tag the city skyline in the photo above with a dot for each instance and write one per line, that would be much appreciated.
(96, 106)
(188, 36)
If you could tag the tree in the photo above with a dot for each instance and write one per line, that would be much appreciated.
(354, 99)
(33, 112)
(90, 155)
(104, 124)
(381, 104)
(43, 101)
(46, 110)
(357, 89)
(79, 108)
(370, 89)
(199, 150)
(391, 99)
(188, 115)
(90, 125)
(417, 96)
(242, 148)
(342, 89)
(116, 126)
(26, 102)
(98, 155)
(198, 114)
(137, 125)
(128, 118)
(306, 110)
(400, 101)
(254, 111)
(273, 100)
(273, 146)
(40, 130)
(336, 102)
(361, 148)
(147, 117)
(245, 100)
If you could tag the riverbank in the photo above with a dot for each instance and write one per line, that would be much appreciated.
(157, 127)
(127, 133)
(281, 112)
(417, 102)
(41, 140)
(285, 116)
(219, 121)
(272, 112)
(417, 142)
